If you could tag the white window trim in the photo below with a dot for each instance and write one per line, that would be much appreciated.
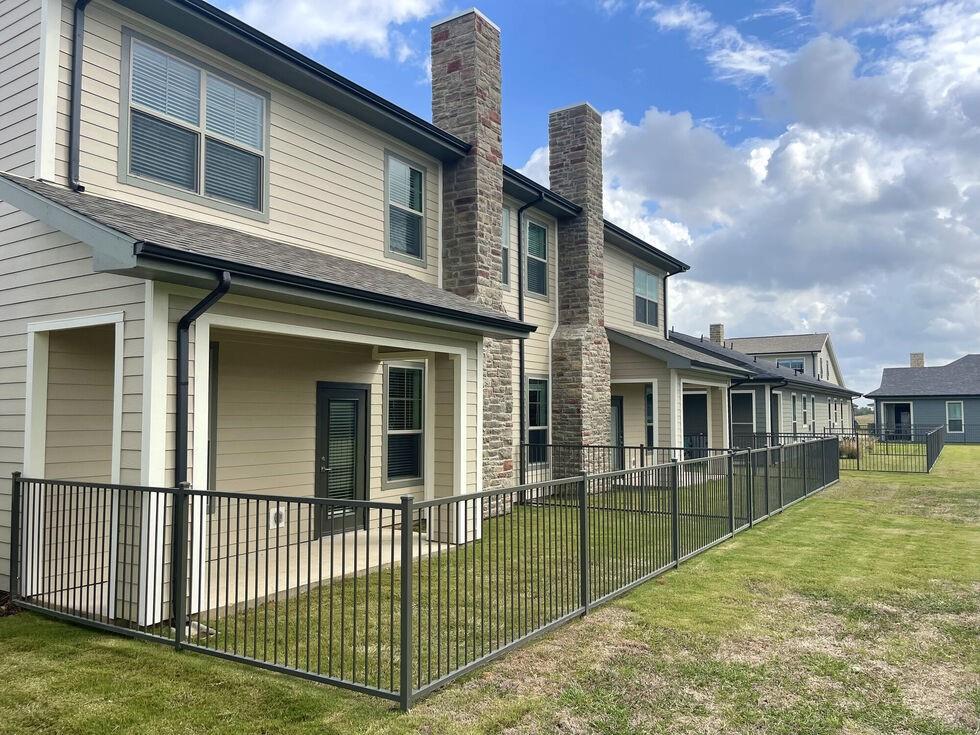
(546, 296)
(402, 482)
(752, 394)
(962, 417)
(422, 259)
(126, 104)
(660, 286)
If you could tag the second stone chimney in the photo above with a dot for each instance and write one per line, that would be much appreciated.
(917, 359)
(580, 358)
(466, 102)
(717, 332)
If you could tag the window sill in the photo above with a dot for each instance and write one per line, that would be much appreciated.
(159, 187)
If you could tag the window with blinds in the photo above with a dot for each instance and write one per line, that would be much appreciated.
(646, 297)
(537, 259)
(403, 428)
(194, 130)
(406, 214)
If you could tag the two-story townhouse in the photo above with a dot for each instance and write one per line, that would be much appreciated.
(777, 399)
(222, 263)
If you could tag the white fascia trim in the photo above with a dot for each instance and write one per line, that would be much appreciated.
(46, 129)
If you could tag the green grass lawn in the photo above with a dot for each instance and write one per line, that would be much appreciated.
(857, 611)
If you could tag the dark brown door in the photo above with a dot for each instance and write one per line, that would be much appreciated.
(341, 454)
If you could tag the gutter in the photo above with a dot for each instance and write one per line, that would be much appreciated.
(521, 357)
(183, 372)
(157, 252)
(75, 115)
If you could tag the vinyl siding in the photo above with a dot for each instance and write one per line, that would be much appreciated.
(326, 170)
(46, 275)
(81, 367)
(20, 43)
(618, 286)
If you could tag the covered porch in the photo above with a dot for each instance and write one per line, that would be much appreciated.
(667, 395)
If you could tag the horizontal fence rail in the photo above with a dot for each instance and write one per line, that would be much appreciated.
(902, 449)
(390, 599)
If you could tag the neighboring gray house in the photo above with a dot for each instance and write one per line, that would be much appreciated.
(812, 354)
(776, 400)
(920, 396)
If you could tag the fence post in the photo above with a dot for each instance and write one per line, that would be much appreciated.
(750, 474)
(405, 688)
(806, 484)
(730, 472)
(178, 564)
(584, 576)
(15, 535)
(675, 537)
(857, 448)
(779, 475)
(768, 462)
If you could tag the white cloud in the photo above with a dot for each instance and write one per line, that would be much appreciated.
(862, 217)
(840, 13)
(362, 24)
(730, 53)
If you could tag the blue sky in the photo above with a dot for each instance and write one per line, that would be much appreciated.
(815, 161)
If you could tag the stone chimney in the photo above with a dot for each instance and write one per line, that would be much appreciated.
(717, 332)
(466, 102)
(917, 359)
(580, 357)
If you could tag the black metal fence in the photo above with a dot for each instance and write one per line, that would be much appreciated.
(391, 599)
(905, 449)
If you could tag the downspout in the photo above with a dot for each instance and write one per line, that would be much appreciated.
(521, 367)
(183, 377)
(75, 117)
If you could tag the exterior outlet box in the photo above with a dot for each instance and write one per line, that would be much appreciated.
(277, 518)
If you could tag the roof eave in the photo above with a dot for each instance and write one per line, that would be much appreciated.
(525, 190)
(643, 250)
(231, 37)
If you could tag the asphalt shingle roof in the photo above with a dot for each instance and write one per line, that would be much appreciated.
(779, 343)
(698, 358)
(758, 367)
(181, 235)
(958, 378)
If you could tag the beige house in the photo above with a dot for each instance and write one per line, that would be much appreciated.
(224, 264)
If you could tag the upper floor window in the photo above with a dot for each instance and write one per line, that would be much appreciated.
(406, 218)
(505, 247)
(792, 363)
(646, 295)
(194, 130)
(537, 258)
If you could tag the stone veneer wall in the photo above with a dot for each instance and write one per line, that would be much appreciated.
(466, 101)
(580, 362)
